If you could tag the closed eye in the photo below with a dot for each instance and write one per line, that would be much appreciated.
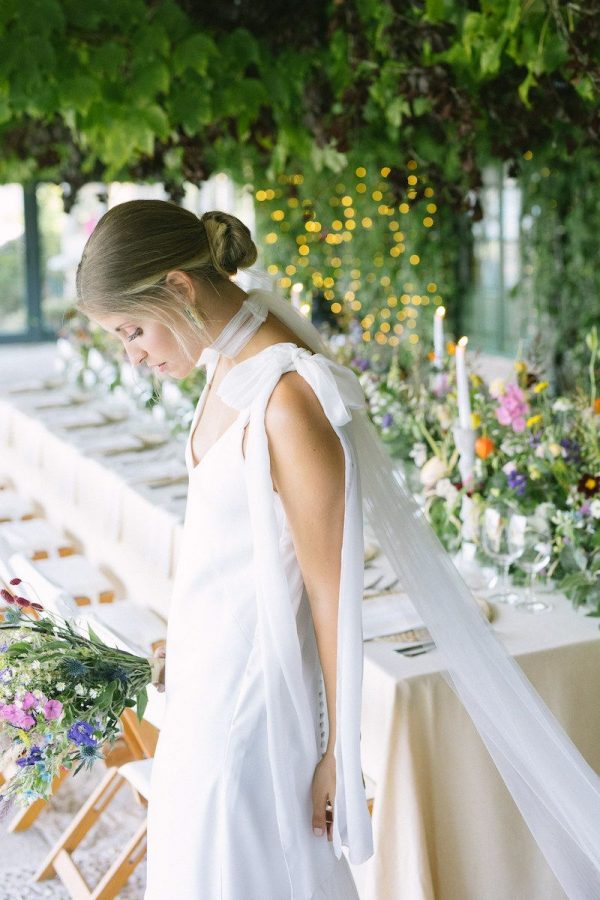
(136, 333)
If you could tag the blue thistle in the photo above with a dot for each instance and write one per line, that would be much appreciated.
(74, 668)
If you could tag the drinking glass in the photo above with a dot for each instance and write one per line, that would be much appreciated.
(533, 538)
(495, 531)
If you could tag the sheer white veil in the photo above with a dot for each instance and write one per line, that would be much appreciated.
(556, 791)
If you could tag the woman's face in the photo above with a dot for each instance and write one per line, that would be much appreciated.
(149, 341)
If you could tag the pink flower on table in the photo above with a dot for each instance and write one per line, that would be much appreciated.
(512, 408)
(29, 700)
(53, 709)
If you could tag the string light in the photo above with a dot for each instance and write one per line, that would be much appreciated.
(343, 291)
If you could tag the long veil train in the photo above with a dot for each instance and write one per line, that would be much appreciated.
(556, 791)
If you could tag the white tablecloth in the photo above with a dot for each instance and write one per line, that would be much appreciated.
(445, 826)
(122, 523)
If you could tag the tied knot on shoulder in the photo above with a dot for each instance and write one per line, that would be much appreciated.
(337, 387)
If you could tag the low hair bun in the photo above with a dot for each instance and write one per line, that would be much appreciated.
(229, 241)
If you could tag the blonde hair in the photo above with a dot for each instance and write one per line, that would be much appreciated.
(135, 245)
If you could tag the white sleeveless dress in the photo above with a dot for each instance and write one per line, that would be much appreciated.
(230, 813)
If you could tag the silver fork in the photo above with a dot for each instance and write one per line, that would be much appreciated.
(416, 649)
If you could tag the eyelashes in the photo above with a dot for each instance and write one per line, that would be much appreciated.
(136, 333)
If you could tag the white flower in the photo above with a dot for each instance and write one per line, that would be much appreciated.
(508, 467)
(60, 685)
(540, 451)
(36, 664)
(418, 454)
(18, 704)
(432, 471)
(562, 404)
(79, 689)
(543, 511)
(595, 508)
(93, 693)
(444, 488)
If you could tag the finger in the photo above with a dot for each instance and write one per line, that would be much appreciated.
(318, 820)
(329, 819)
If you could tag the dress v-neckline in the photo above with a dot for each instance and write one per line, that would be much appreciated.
(201, 405)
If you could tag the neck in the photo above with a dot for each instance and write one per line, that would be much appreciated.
(239, 328)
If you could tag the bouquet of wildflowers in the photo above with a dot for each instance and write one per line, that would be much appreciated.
(61, 696)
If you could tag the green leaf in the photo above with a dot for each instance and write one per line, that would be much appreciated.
(149, 82)
(435, 10)
(528, 82)
(142, 702)
(195, 53)
(94, 637)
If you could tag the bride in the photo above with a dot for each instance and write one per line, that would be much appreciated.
(256, 780)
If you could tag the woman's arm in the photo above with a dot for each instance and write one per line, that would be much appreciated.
(307, 468)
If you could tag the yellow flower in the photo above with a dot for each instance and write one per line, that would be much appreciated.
(554, 449)
(475, 420)
(539, 387)
(532, 420)
(534, 473)
(520, 367)
(476, 381)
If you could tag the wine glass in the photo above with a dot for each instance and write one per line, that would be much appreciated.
(532, 536)
(495, 531)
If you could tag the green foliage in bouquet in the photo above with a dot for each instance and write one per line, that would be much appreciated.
(61, 696)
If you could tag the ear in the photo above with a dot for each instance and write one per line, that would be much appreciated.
(183, 284)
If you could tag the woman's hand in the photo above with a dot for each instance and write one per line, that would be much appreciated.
(323, 795)
(158, 671)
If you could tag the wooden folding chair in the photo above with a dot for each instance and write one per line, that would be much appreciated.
(135, 773)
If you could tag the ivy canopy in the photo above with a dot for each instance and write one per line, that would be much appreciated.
(173, 91)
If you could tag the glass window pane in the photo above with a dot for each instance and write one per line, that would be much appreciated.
(13, 308)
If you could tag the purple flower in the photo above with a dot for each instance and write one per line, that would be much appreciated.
(26, 722)
(81, 732)
(53, 709)
(535, 439)
(359, 362)
(517, 481)
(387, 420)
(34, 756)
(585, 509)
(572, 450)
(29, 700)
(5, 675)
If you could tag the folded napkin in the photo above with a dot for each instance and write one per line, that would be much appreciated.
(388, 615)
